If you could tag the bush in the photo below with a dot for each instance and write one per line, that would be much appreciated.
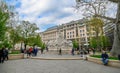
(15, 52)
(99, 56)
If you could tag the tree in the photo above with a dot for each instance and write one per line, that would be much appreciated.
(75, 44)
(93, 42)
(4, 16)
(96, 29)
(27, 30)
(14, 36)
(35, 41)
(43, 46)
(104, 42)
(116, 44)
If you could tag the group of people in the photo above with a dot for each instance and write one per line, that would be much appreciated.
(3, 55)
(31, 51)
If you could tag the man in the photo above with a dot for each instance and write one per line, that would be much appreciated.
(104, 57)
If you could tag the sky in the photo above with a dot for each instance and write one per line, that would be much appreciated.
(48, 13)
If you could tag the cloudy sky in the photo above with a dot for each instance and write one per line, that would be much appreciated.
(48, 13)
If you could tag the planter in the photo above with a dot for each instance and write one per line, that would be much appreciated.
(113, 63)
(15, 56)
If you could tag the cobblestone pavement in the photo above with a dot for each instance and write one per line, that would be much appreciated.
(54, 66)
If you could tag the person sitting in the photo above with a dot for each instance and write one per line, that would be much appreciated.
(104, 57)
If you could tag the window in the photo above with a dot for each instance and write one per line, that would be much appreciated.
(68, 36)
(80, 34)
(83, 30)
(83, 34)
(80, 31)
(68, 33)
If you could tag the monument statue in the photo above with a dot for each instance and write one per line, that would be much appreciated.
(60, 42)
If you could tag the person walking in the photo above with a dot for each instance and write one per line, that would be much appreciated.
(6, 53)
(104, 57)
(35, 51)
(3, 55)
(72, 52)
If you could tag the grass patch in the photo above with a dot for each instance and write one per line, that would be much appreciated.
(15, 52)
(99, 56)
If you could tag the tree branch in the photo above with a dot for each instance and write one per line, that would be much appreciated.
(105, 17)
(115, 1)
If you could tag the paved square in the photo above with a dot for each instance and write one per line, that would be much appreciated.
(54, 66)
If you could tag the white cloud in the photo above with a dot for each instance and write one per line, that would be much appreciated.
(47, 12)
(50, 11)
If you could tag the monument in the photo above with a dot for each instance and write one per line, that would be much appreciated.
(60, 42)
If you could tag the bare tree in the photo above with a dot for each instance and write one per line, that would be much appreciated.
(116, 44)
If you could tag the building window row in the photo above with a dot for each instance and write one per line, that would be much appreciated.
(82, 30)
(70, 33)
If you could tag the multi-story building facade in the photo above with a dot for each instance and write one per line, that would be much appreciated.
(109, 31)
(74, 30)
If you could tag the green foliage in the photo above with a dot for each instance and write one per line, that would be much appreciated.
(103, 42)
(99, 56)
(15, 52)
(27, 32)
(7, 44)
(4, 16)
(43, 46)
(14, 36)
(36, 40)
(93, 42)
(75, 44)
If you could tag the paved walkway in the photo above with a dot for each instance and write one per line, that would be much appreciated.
(54, 66)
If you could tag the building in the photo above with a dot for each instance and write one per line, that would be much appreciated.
(109, 31)
(74, 30)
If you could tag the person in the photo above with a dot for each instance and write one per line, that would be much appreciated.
(6, 53)
(72, 52)
(22, 50)
(47, 49)
(2, 55)
(41, 50)
(104, 57)
(30, 50)
(35, 51)
(60, 52)
(93, 51)
(85, 54)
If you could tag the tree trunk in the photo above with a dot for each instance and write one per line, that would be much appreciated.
(116, 44)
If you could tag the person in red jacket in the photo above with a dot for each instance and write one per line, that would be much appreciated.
(30, 51)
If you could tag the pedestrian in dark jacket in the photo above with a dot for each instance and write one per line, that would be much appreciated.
(104, 57)
(6, 53)
(2, 52)
(72, 52)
